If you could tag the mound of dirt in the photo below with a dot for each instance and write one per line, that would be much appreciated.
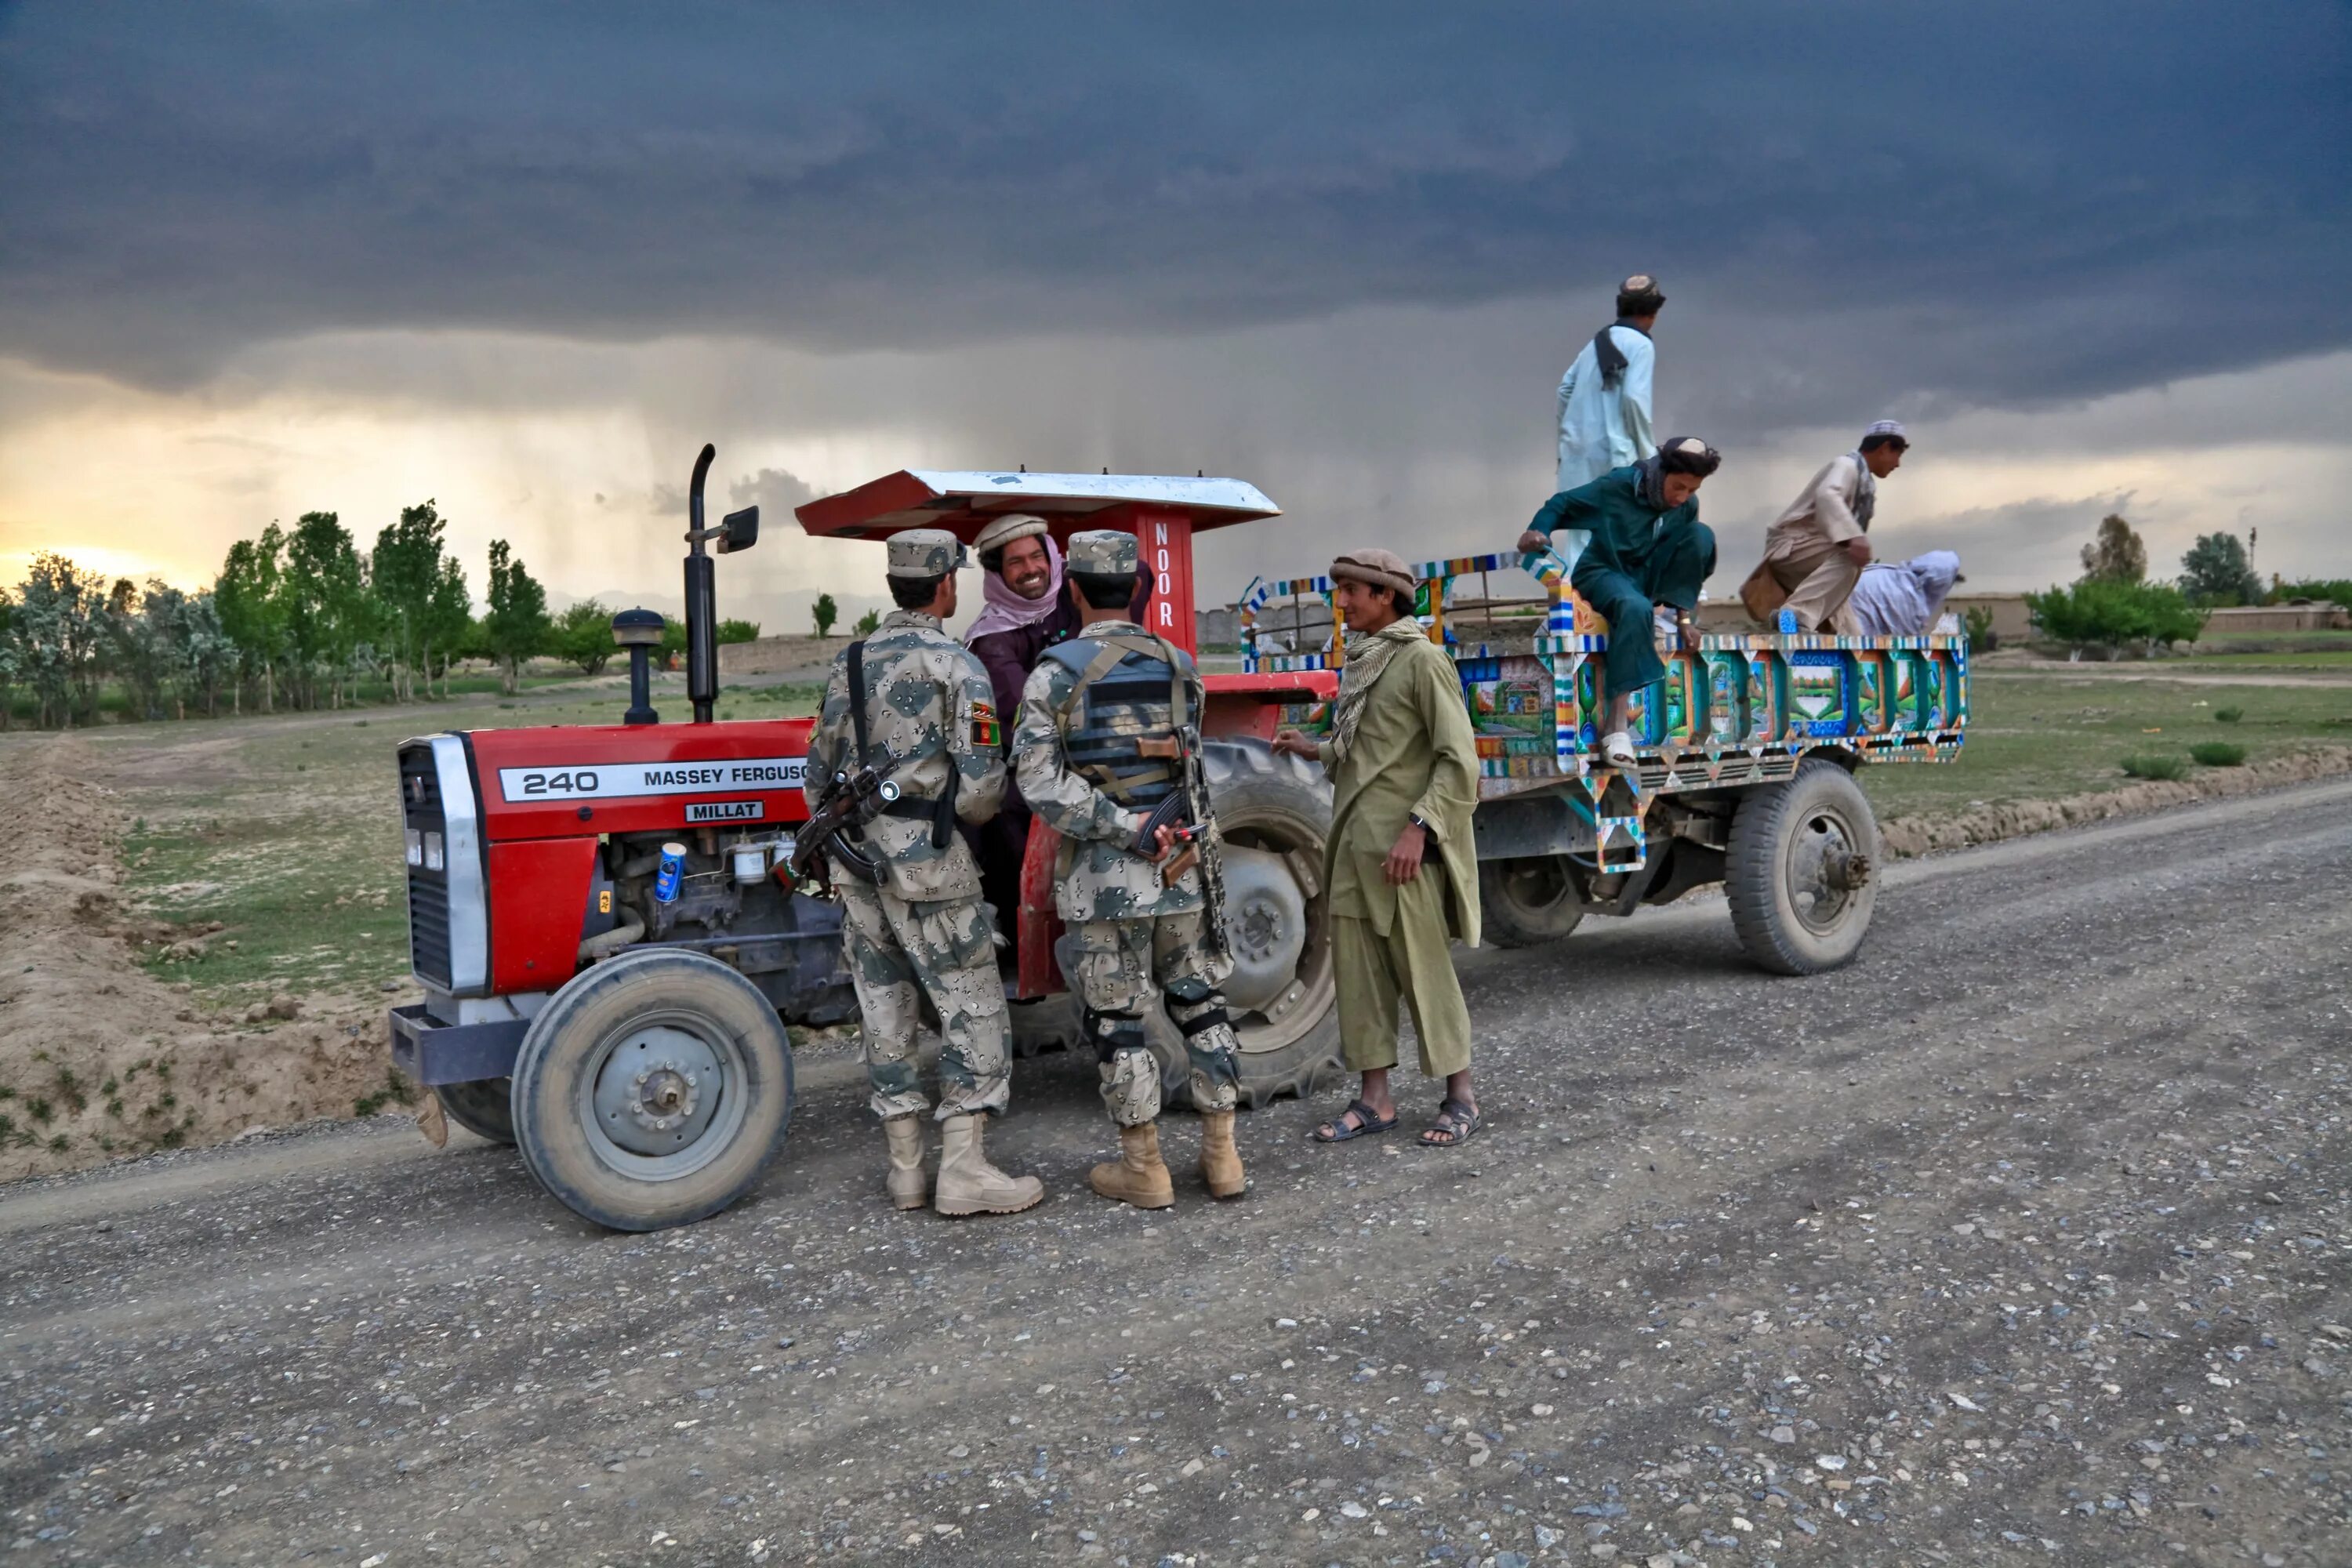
(1905, 836)
(100, 1059)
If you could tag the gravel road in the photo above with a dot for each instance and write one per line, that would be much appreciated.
(2022, 1240)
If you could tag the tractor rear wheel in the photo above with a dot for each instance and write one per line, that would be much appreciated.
(653, 1089)
(1801, 875)
(1273, 814)
(483, 1107)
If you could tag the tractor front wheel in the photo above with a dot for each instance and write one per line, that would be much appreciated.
(653, 1089)
(483, 1107)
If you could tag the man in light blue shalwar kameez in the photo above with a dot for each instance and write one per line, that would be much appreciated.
(1604, 398)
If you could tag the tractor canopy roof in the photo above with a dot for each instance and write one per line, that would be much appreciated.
(964, 502)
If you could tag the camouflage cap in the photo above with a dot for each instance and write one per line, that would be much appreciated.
(924, 553)
(1102, 552)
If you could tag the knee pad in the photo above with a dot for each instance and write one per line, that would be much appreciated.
(1112, 1033)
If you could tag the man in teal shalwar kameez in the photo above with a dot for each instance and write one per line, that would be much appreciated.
(1648, 547)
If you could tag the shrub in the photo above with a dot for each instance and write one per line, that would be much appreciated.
(2154, 767)
(2218, 753)
(1983, 639)
(2228, 715)
(2098, 614)
(736, 631)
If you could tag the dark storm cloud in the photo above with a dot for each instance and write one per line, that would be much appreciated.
(2022, 202)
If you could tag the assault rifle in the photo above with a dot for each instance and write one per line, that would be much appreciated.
(855, 800)
(1175, 813)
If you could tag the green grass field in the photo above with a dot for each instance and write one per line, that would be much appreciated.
(284, 829)
(2036, 736)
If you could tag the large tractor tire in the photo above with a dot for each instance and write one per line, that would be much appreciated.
(1526, 902)
(653, 1089)
(483, 1107)
(1273, 813)
(1801, 874)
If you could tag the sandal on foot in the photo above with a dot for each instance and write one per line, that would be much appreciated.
(1368, 1122)
(1456, 1123)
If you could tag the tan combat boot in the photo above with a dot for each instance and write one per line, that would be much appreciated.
(1221, 1162)
(1137, 1176)
(968, 1184)
(910, 1188)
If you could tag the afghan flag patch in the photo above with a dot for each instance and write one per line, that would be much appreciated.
(986, 731)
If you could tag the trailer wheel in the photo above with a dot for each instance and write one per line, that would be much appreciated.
(1527, 902)
(1802, 871)
(1273, 814)
(483, 1107)
(653, 1089)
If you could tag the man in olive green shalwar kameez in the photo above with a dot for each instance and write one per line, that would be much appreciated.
(1401, 865)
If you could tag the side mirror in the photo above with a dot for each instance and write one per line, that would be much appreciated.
(738, 530)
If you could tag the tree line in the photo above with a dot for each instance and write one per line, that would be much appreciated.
(298, 618)
(2115, 603)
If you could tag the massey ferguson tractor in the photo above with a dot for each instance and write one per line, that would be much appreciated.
(611, 939)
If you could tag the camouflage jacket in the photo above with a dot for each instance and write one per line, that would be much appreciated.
(1097, 877)
(929, 711)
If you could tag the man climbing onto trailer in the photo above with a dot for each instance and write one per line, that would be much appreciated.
(911, 703)
(1648, 547)
(1108, 747)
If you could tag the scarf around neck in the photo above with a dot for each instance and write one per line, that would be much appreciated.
(1368, 659)
(1007, 611)
(1609, 356)
(1865, 493)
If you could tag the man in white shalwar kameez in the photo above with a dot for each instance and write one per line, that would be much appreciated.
(1604, 398)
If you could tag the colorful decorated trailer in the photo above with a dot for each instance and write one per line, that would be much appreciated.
(1746, 754)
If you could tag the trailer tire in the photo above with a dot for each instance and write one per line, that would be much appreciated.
(484, 1107)
(1801, 875)
(653, 1089)
(1528, 902)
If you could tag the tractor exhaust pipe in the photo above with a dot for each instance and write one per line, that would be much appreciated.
(701, 601)
(736, 530)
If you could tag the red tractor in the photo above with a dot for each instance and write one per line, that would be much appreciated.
(616, 1009)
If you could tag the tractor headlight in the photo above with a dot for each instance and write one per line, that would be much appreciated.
(433, 857)
(416, 846)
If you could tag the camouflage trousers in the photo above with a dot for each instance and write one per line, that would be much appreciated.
(898, 951)
(1119, 970)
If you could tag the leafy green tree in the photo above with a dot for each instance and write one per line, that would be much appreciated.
(2116, 554)
(2319, 590)
(737, 631)
(825, 612)
(583, 636)
(11, 662)
(869, 624)
(2216, 571)
(327, 611)
(61, 620)
(449, 618)
(2113, 615)
(517, 626)
(404, 573)
(252, 611)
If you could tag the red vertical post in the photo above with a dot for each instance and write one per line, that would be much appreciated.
(1166, 538)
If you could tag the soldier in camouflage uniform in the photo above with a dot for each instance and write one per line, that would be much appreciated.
(1109, 730)
(929, 723)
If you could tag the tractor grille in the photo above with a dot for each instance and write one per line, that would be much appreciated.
(428, 886)
(448, 937)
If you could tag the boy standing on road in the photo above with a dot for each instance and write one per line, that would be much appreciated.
(1404, 762)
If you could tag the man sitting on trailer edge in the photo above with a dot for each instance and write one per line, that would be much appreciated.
(1648, 547)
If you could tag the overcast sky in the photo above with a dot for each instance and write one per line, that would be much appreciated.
(258, 259)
